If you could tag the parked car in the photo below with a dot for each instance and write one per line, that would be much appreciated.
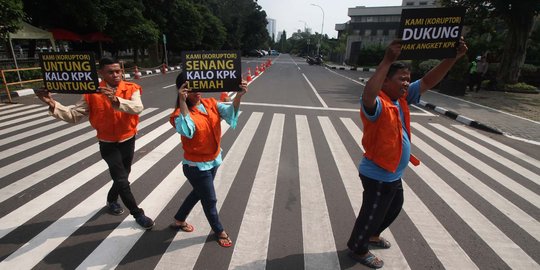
(255, 53)
(274, 52)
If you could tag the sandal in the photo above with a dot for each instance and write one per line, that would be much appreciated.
(382, 243)
(186, 227)
(368, 260)
(224, 241)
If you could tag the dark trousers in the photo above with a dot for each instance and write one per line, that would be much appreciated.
(381, 204)
(119, 157)
(203, 190)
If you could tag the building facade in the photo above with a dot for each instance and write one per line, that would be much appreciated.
(374, 26)
(271, 28)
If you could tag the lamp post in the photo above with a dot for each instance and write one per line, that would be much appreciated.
(322, 27)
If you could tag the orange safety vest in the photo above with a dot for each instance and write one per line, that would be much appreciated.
(112, 125)
(382, 138)
(205, 144)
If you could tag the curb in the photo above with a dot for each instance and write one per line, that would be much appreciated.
(460, 118)
(349, 68)
(29, 91)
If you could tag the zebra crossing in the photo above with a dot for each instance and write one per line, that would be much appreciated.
(288, 193)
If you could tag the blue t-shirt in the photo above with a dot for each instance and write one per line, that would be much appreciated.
(186, 127)
(368, 167)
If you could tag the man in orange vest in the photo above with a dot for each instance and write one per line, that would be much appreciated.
(386, 119)
(114, 114)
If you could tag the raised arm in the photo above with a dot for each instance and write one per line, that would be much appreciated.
(238, 97)
(436, 74)
(182, 93)
(374, 84)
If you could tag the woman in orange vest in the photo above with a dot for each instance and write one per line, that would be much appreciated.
(198, 120)
(386, 120)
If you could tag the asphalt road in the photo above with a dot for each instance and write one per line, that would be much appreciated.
(288, 190)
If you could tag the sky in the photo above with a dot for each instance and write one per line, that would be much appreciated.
(290, 15)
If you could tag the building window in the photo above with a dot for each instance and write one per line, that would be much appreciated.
(392, 33)
(409, 4)
(367, 32)
(369, 19)
(423, 3)
(379, 32)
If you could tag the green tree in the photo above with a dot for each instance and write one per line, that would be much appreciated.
(11, 13)
(518, 16)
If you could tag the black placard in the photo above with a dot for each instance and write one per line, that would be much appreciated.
(430, 33)
(69, 72)
(212, 71)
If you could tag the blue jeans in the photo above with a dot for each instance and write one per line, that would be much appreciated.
(203, 190)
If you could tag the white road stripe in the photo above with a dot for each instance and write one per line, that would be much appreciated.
(30, 109)
(188, 246)
(15, 108)
(319, 254)
(44, 154)
(20, 136)
(32, 123)
(315, 92)
(505, 148)
(445, 247)
(24, 213)
(24, 118)
(393, 258)
(117, 245)
(49, 239)
(514, 213)
(497, 176)
(119, 242)
(36, 177)
(503, 246)
(257, 219)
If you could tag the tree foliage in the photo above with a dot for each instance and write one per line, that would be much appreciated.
(11, 12)
(188, 24)
(518, 17)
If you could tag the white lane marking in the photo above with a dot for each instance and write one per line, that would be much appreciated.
(257, 220)
(315, 92)
(189, 246)
(320, 254)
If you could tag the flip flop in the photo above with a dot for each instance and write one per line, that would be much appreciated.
(186, 227)
(224, 241)
(369, 260)
(382, 243)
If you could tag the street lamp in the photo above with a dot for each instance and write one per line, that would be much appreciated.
(322, 27)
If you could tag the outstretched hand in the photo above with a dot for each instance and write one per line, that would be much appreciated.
(393, 50)
(45, 96)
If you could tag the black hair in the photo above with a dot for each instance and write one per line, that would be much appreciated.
(394, 67)
(107, 61)
(180, 79)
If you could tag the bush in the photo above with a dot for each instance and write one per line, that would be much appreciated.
(427, 65)
(528, 69)
(520, 88)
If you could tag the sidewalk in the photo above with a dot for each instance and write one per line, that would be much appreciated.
(487, 118)
(483, 117)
